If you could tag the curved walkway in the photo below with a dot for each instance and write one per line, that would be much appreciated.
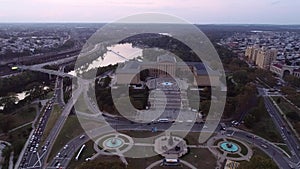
(212, 148)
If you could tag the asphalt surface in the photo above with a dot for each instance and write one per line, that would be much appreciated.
(38, 159)
(34, 151)
(286, 133)
(60, 122)
(74, 145)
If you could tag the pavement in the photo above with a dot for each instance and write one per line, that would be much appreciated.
(287, 134)
(33, 152)
(272, 151)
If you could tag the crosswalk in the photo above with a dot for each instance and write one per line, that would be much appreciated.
(295, 166)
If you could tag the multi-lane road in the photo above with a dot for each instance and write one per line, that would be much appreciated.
(34, 151)
(282, 126)
(282, 159)
(38, 160)
(66, 154)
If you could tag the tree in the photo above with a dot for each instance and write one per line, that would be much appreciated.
(240, 76)
(249, 120)
(6, 122)
(278, 100)
(293, 116)
(292, 80)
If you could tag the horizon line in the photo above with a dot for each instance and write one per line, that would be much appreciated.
(96, 22)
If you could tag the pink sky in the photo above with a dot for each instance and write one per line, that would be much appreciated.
(195, 11)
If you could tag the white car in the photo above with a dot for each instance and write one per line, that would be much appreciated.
(66, 146)
(58, 154)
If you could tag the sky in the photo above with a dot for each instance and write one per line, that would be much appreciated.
(193, 11)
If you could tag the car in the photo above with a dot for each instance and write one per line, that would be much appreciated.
(264, 146)
(229, 134)
(66, 146)
(58, 155)
(82, 136)
(58, 165)
(163, 120)
(232, 122)
(249, 136)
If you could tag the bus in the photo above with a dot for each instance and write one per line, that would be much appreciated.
(163, 120)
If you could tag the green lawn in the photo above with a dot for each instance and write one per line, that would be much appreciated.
(20, 117)
(284, 105)
(287, 108)
(142, 162)
(18, 138)
(70, 130)
(200, 158)
(24, 115)
(259, 160)
(265, 127)
(86, 153)
(285, 148)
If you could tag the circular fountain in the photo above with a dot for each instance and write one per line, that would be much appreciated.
(229, 147)
(113, 142)
(167, 83)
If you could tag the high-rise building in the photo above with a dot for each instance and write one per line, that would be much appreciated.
(262, 57)
(265, 57)
(251, 53)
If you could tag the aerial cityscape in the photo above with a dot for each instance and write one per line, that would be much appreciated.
(147, 84)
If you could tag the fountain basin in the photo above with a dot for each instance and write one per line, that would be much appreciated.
(229, 147)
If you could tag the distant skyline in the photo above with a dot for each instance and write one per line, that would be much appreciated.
(194, 11)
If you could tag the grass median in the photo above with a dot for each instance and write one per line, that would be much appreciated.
(70, 130)
(54, 115)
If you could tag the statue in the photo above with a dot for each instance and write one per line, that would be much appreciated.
(171, 141)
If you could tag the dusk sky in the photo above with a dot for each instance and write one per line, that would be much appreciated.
(194, 11)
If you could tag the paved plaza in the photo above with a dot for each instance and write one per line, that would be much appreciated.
(168, 100)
